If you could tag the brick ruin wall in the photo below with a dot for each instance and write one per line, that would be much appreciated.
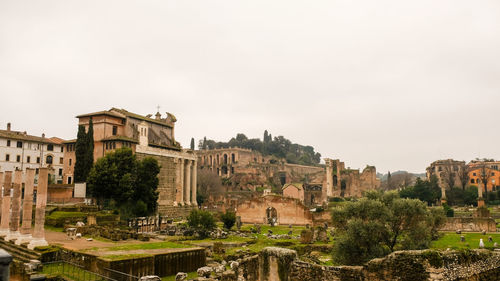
(289, 210)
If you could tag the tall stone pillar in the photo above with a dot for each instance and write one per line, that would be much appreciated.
(1, 192)
(187, 183)
(480, 199)
(27, 206)
(180, 182)
(4, 223)
(41, 202)
(16, 206)
(329, 177)
(193, 184)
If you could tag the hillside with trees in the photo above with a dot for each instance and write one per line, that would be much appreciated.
(279, 147)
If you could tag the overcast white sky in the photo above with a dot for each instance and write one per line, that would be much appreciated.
(392, 83)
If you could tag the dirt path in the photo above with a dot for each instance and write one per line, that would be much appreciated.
(61, 239)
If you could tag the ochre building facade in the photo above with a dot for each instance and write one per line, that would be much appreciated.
(147, 137)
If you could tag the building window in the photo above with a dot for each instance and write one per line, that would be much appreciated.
(61, 160)
(115, 129)
(60, 172)
(472, 181)
(70, 161)
(19, 144)
(38, 160)
(62, 148)
(48, 160)
(69, 180)
(8, 142)
(474, 174)
(36, 171)
(28, 159)
(50, 147)
(7, 157)
(18, 158)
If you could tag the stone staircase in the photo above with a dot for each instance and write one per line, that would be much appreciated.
(19, 252)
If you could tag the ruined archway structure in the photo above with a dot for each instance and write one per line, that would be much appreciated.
(355, 182)
(287, 210)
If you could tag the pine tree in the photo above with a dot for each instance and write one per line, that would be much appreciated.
(192, 143)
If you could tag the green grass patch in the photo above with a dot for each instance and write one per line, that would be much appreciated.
(60, 215)
(68, 271)
(125, 257)
(452, 240)
(148, 246)
(279, 229)
(229, 239)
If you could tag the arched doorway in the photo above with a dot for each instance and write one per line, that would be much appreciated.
(271, 216)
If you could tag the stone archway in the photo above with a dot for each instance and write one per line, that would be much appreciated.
(272, 216)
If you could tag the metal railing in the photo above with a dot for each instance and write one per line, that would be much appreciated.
(72, 271)
(121, 276)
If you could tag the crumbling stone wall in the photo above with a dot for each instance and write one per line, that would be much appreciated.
(282, 265)
(470, 224)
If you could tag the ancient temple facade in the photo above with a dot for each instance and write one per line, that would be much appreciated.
(147, 136)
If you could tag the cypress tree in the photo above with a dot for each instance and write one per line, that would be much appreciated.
(204, 146)
(80, 155)
(90, 149)
(192, 143)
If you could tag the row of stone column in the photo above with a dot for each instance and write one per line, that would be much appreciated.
(186, 182)
(11, 207)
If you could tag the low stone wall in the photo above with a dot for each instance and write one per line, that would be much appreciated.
(111, 233)
(182, 260)
(469, 224)
(275, 264)
(175, 211)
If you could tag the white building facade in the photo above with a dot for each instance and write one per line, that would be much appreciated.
(19, 151)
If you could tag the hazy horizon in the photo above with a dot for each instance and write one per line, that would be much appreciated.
(395, 84)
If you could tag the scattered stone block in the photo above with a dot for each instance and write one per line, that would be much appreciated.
(306, 236)
(181, 276)
(204, 271)
(219, 269)
(238, 222)
(150, 278)
(322, 236)
(218, 248)
(234, 265)
(462, 238)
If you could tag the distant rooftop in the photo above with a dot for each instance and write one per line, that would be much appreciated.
(18, 135)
